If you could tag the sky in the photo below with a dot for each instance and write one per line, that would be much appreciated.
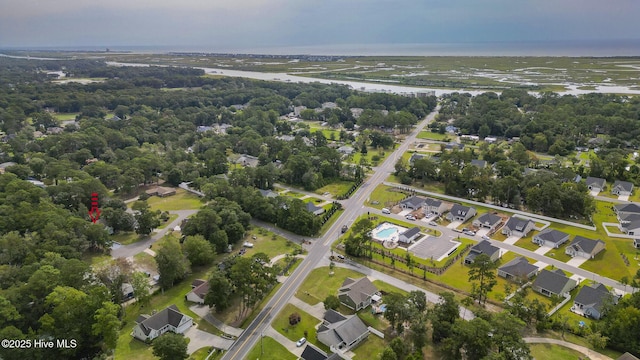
(252, 24)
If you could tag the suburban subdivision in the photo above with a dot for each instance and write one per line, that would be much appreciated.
(168, 212)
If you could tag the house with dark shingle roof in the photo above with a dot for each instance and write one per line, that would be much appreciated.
(550, 283)
(628, 208)
(433, 206)
(356, 294)
(518, 269)
(488, 221)
(594, 183)
(479, 163)
(550, 237)
(412, 202)
(268, 193)
(312, 208)
(483, 247)
(416, 156)
(149, 327)
(199, 291)
(341, 332)
(584, 247)
(622, 188)
(460, 213)
(516, 226)
(591, 300)
(627, 356)
(410, 235)
(631, 228)
(313, 353)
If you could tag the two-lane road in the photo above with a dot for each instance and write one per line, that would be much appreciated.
(320, 248)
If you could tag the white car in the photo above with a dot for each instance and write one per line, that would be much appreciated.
(301, 342)
(410, 217)
(386, 211)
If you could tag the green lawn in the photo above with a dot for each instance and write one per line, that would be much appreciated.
(377, 322)
(433, 136)
(555, 352)
(381, 285)
(527, 243)
(307, 324)
(457, 276)
(369, 349)
(270, 349)
(126, 238)
(331, 221)
(335, 188)
(384, 196)
(145, 261)
(269, 243)
(169, 221)
(182, 200)
(319, 284)
(200, 354)
(65, 116)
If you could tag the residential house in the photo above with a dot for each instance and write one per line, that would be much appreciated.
(460, 213)
(127, 291)
(627, 213)
(631, 228)
(356, 112)
(550, 237)
(198, 292)
(622, 188)
(483, 247)
(357, 294)
(553, 283)
(594, 183)
(518, 269)
(311, 352)
(627, 356)
(488, 221)
(286, 138)
(636, 243)
(451, 146)
(433, 206)
(592, 300)
(248, 161)
(479, 163)
(584, 247)
(54, 130)
(470, 137)
(490, 139)
(346, 150)
(149, 327)
(341, 332)
(203, 129)
(36, 182)
(268, 193)
(312, 208)
(410, 235)
(416, 156)
(161, 191)
(413, 203)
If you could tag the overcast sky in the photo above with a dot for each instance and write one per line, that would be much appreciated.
(250, 24)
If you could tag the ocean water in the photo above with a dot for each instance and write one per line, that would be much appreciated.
(578, 48)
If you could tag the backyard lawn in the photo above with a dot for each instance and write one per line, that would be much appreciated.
(270, 349)
(268, 243)
(305, 328)
(369, 349)
(182, 200)
(319, 284)
(126, 238)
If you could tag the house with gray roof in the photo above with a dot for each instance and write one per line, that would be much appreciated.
(592, 300)
(550, 237)
(416, 156)
(622, 188)
(518, 269)
(312, 208)
(517, 226)
(357, 294)
(479, 163)
(594, 183)
(631, 228)
(410, 235)
(488, 221)
(433, 206)
(248, 161)
(451, 146)
(584, 247)
(553, 283)
(460, 213)
(199, 291)
(346, 150)
(483, 247)
(412, 202)
(341, 332)
(311, 352)
(149, 327)
(627, 213)
(268, 193)
(627, 356)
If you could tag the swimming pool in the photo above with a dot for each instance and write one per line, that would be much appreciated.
(387, 231)
(383, 234)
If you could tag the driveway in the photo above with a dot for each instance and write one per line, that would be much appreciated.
(454, 224)
(594, 192)
(200, 339)
(623, 197)
(511, 240)
(577, 261)
(405, 212)
(543, 250)
(482, 232)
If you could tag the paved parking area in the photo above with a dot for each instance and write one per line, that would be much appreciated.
(436, 248)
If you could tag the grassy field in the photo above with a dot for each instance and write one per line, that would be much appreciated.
(269, 243)
(163, 224)
(555, 352)
(182, 200)
(337, 187)
(145, 261)
(126, 238)
(384, 196)
(369, 349)
(269, 349)
(527, 243)
(295, 332)
(319, 284)
(433, 136)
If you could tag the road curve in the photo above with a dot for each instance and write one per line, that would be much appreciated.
(582, 349)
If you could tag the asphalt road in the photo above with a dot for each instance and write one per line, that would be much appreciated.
(320, 248)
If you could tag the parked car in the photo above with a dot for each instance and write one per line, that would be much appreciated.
(410, 217)
(301, 342)
(433, 223)
(340, 256)
(248, 244)
(344, 228)
(386, 211)
(485, 237)
(470, 233)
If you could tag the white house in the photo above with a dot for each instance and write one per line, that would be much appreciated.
(199, 291)
(149, 327)
(622, 188)
(550, 237)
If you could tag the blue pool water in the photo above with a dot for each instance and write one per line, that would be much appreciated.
(383, 307)
(383, 234)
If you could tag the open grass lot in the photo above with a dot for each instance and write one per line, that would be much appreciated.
(377, 322)
(319, 284)
(372, 152)
(268, 243)
(96, 259)
(385, 196)
(65, 116)
(126, 238)
(555, 352)
(163, 224)
(335, 188)
(200, 354)
(270, 349)
(388, 288)
(433, 136)
(182, 200)
(369, 349)
(145, 261)
(295, 332)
